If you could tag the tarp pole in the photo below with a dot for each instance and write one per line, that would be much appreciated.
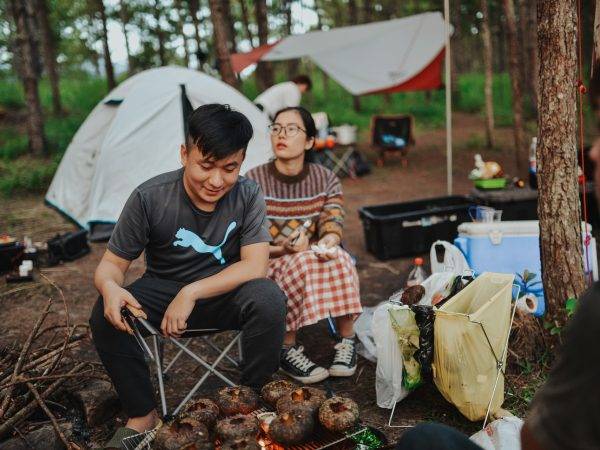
(448, 80)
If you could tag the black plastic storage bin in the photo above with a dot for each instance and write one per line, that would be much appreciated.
(404, 229)
(515, 203)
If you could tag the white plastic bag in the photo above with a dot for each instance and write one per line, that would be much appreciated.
(362, 327)
(501, 434)
(436, 283)
(388, 375)
(454, 260)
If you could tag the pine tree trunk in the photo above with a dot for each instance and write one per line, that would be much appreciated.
(455, 18)
(49, 51)
(489, 74)
(353, 12)
(22, 12)
(595, 76)
(221, 44)
(193, 6)
(108, 66)
(292, 64)
(558, 205)
(230, 25)
(521, 156)
(124, 15)
(181, 25)
(246, 22)
(531, 37)
(524, 66)
(160, 37)
(264, 69)
(367, 15)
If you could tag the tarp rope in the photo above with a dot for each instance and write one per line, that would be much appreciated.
(581, 91)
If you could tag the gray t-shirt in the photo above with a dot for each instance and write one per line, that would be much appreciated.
(183, 243)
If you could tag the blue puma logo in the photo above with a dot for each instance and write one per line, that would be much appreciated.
(188, 238)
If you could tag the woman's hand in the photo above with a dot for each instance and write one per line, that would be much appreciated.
(297, 242)
(175, 319)
(329, 241)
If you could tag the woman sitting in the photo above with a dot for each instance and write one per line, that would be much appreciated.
(306, 215)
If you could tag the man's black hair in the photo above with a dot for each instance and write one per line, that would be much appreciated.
(303, 79)
(218, 131)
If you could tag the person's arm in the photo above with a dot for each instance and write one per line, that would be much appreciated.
(127, 242)
(253, 264)
(331, 219)
(108, 279)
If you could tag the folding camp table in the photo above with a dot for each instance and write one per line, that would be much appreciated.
(338, 160)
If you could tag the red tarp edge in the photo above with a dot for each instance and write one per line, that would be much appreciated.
(239, 61)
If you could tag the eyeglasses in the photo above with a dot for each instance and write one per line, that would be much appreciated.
(291, 130)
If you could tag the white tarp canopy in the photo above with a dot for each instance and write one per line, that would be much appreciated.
(135, 133)
(370, 57)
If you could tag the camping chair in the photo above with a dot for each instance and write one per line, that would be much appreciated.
(132, 316)
(392, 134)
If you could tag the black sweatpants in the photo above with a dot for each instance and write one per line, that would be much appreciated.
(257, 308)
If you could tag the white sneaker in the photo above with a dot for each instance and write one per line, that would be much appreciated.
(296, 364)
(344, 361)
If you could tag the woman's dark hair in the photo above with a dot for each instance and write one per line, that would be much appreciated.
(309, 126)
(218, 131)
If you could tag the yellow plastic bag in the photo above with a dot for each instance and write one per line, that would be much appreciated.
(465, 360)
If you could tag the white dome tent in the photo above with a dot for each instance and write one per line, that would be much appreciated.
(135, 133)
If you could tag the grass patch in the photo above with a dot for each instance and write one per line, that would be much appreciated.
(26, 174)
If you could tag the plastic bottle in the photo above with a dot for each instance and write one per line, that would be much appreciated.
(417, 274)
(533, 164)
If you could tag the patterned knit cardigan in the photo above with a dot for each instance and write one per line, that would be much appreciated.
(315, 194)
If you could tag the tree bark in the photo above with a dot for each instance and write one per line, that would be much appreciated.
(353, 12)
(455, 18)
(181, 25)
(246, 22)
(292, 64)
(595, 75)
(221, 42)
(108, 66)
(22, 12)
(367, 12)
(49, 51)
(124, 15)
(160, 37)
(230, 25)
(193, 6)
(521, 156)
(489, 74)
(264, 70)
(531, 37)
(558, 190)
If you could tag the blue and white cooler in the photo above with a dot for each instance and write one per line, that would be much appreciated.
(514, 247)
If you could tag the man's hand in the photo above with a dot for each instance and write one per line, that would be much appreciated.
(175, 319)
(115, 298)
(297, 242)
(328, 241)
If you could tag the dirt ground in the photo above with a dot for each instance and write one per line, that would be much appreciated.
(424, 177)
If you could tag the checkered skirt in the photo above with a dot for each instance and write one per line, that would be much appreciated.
(315, 288)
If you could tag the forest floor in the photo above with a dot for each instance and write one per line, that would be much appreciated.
(424, 177)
